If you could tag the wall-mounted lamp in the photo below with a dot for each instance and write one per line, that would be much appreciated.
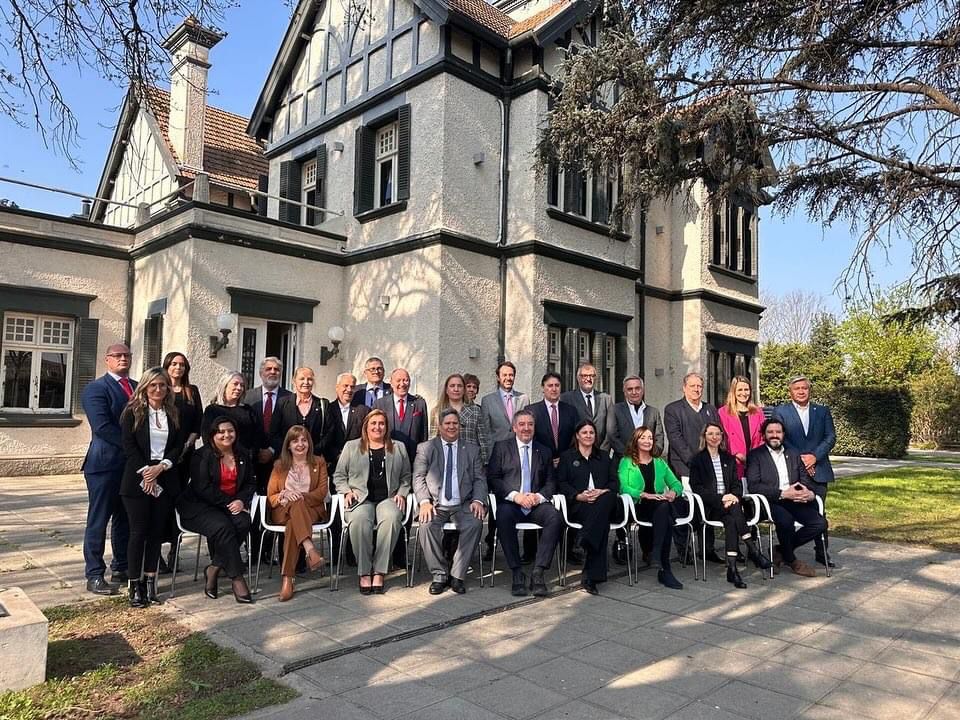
(336, 337)
(658, 229)
(225, 326)
(478, 158)
(385, 302)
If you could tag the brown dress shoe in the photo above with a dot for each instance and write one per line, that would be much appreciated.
(799, 567)
(286, 588)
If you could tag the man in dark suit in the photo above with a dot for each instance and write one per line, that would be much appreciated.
(103, 402)
(683, 421)
(627, 416)
(374, 388)
(808, 430)
(589, 402)
(343, 421)
(521, 475)
(554, 419)
(406, 413)
(779, 475)
(263, 400)
(450, 486)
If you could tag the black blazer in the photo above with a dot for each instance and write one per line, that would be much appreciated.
(573, 474)
(203, 493)
(136, 447)
(762, 477)
(336, 434)
(286, 414)
(567, 419)
(503, 470)
(254, 398)
(250, 434)
(360, 393)
(703, 479)
(683, 425)
(190, 413)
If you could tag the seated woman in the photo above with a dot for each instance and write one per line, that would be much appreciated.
(713, 476)
(587, 476)
(373, 475)
(216, 504)
(296, 494)
(152, 442)
(650, 481)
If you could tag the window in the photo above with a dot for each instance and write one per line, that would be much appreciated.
(554, 345)
(37, 363)
(733, 235)
(727, 357)
(385, 168)
(382, 169)
(588, 195)
(568, 348)
(304, 180)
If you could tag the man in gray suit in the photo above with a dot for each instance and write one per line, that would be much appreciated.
(450, 486)
(627, 416)
(590, 404)
(496, 414)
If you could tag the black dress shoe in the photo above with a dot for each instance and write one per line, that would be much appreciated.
(136, 593)
(733, 577)
(241, 593)
(712, 556)
(666, 578)
(590, 586)
(620, 552)
(823, 561)
(151, 591)
(438, 586)
(210, 586)
(368, 590)
(243, 599)
(519, 586)
(378, 589)
(456, 584)
(537, 586)
(118, 577)
(99, 586)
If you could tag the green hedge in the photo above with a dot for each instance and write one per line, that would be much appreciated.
(871, 421)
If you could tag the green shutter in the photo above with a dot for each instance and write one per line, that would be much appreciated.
(263, 185)
(403, 154)
(363, 171)
(290, 182)
(320, 198)
(84, 358)
(571, 190)
(152, 341)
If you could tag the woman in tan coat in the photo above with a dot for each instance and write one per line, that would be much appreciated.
(296, 494)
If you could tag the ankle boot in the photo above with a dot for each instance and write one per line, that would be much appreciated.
(666, 578)
(151, 591)
(733, 575)
(753, 552)
(137, 596)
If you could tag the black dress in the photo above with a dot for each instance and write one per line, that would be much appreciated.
(573, 477)
(250, 434)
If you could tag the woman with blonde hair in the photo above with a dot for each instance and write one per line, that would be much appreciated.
(296, 494)
(228, 402)
(152, 442)
(452, 396)
(373, 475)
(741, 419)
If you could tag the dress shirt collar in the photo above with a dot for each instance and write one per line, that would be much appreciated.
(117, 377)
(521, 444)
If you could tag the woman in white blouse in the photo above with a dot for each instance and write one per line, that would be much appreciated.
(152, 442)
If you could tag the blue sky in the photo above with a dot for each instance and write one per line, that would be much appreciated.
(794, 254)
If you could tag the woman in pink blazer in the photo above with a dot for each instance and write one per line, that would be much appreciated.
(741, 419)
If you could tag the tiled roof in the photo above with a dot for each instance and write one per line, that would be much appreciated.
(229, 154)
(498, 21)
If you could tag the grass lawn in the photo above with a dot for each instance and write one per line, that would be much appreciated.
(920, 456)
(107, 661)
(905, 505)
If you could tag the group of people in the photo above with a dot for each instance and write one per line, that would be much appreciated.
(378, 447)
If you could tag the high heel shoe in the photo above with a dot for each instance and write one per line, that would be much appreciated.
(136, 594)
(239, 585)
(378, 589)
(286, 588)
(365, 589)
(210, 587)
(315, 560)
(151, 594)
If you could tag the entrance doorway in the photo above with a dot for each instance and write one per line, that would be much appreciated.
(263, 338)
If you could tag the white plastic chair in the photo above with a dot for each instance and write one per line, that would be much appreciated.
(447, 527)
(278, 530)
(407, 516)
(522, 526)
(766, 516)
(182, 532)
(635, 525)
(560, 501)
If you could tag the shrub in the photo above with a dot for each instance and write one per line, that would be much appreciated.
(871, 421)
(936, 407)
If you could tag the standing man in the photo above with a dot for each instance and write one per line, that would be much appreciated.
(780, 476)
(630, 414)
(808, 430)
(450, 486)
(522, 477)
(406, 413)
(374, 388)
(343, 422)
(103, 401)
(590, 403)
(554, 419)
(263, 400)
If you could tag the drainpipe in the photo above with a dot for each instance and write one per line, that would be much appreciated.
(502, 225)
(128, 322)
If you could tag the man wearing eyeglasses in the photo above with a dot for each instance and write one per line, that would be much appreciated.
(591, 404)
(103, 401)
(374, 388)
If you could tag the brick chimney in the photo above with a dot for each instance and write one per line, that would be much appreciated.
(189, 47)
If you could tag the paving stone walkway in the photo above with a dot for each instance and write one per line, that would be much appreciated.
(880, 639)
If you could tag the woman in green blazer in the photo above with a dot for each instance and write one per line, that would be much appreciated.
(373, 475)
(658, 496)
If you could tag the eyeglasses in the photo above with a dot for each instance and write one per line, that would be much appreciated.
(378, 370)
(119, 355)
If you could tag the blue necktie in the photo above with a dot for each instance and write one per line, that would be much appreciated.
(525, 474)
(371, 397)
(448, 475)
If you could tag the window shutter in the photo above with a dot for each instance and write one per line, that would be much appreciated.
(314, 217)
(263, 185)
(571, 190)
(403, 153)
(363, 171)
(599, 210)
(290, 188)
(152, 341)
(84, 358)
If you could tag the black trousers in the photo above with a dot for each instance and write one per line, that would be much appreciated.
(225, 534)
(733, 519)
(149, 522)
(785, 514)
(662, 514)
(545, 515)
(595, 518)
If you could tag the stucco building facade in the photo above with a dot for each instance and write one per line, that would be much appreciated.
(383, 183)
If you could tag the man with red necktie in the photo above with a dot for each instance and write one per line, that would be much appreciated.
(103, 401)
